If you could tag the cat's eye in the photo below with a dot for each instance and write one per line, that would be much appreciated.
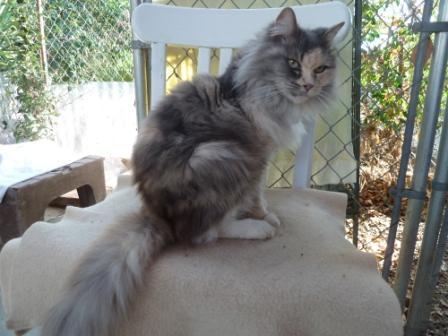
(293, 64)
(320, 69)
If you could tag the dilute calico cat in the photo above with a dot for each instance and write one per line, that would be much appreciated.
(199, 165)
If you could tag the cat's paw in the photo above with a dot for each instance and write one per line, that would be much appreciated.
(272, 219)
(208, 237)
(261, 230)
(248, 228)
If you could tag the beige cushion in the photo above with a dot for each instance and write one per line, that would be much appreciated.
(308, 280)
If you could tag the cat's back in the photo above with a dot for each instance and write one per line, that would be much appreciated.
(191, 103)
(199, 111)
(194, 113)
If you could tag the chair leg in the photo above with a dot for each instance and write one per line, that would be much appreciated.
(86, 196)
(16, 216)
(9, 222)
(94, 190)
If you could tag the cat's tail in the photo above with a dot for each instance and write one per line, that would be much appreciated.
(104, 284)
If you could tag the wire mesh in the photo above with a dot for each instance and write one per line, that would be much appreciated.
(44, 68)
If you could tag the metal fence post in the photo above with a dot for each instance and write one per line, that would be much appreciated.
(423, 159)
(440, 249)
(423, 286)
(356, 106)
(147, 53)
(43, 42)
(140, 76)
(406, 147)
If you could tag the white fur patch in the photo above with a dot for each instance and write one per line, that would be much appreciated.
(281, 136)
(246, 229)
(272, 219)
(208, 237)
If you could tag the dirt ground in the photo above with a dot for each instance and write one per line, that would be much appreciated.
(376, 206)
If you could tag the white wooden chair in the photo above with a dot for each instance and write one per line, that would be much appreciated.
(226, 29)
(308, 280)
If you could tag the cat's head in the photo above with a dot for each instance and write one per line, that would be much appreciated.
(288, 60)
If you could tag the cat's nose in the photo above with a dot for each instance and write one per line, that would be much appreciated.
(308, 87)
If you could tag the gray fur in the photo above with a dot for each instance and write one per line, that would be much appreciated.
(102, 286)
(199, 161)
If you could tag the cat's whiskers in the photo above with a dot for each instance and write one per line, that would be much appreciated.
(262, 94)
(323, 100)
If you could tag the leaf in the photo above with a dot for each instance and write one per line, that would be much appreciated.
(428, 52)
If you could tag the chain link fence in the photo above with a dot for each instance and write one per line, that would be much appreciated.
(59, 60)
(386, 66)
(87, 41)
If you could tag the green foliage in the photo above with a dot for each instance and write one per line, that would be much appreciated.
(88, 40)
(386, 64)
(20, 62)
(387, 68)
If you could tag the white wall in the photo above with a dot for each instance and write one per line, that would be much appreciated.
(8, 110)
(96, 118)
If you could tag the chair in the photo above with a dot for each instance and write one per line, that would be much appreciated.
(228, 29)
(308, 280)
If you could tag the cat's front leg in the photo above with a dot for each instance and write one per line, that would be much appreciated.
(247, 228)
(272, 219)
(257, 209)
(249, 221)
(233, 228)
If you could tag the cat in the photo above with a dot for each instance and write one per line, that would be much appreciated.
(199, 164)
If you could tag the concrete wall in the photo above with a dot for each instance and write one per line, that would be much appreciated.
(96, 118)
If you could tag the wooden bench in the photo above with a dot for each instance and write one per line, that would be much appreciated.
(25, 202)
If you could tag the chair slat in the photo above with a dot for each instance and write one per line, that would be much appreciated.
(304, 156)
(158, 72)
(225, 56)
(204, 60)
(230, 28)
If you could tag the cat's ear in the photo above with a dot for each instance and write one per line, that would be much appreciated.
(285, 24)
(332, 31)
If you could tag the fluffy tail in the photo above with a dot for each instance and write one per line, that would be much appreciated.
(104, 284)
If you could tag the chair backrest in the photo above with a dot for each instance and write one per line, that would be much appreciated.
(226, 29)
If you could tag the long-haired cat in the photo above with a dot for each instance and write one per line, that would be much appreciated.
(199, 166)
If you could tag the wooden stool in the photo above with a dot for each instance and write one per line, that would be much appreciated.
(25, 202)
